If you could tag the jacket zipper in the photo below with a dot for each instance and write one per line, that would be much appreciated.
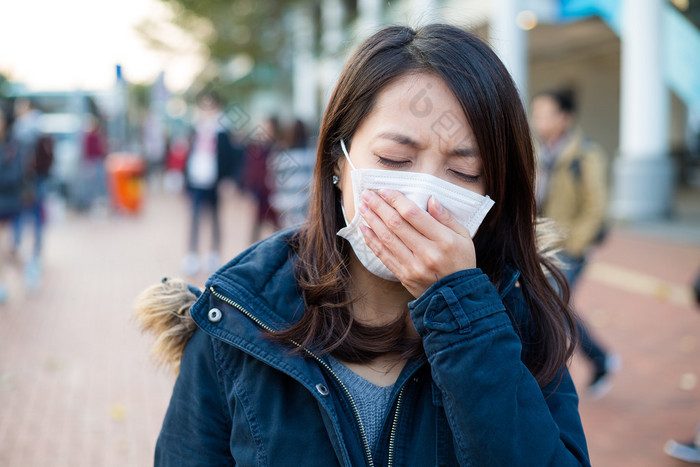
(394, 424)
(356, 414)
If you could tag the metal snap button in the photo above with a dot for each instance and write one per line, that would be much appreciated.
(215, 315)
(322, 389)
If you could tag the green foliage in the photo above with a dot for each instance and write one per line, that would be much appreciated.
(251, 27)
(252, 30)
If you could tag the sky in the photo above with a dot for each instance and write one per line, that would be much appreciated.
(75, 44)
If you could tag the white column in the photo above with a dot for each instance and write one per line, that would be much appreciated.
(332, 13)
(510, 41)
(305, 101)
(643, 172)
(332, 17)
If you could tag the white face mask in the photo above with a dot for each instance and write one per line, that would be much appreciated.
(467, 207)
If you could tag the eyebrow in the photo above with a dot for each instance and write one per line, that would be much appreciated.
(407, 141)
(401, 139)
(464, 152)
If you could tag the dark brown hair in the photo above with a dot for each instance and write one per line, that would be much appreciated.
(494, 110)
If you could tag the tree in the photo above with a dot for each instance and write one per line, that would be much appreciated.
(241, 37)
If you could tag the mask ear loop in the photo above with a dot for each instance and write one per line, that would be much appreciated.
(347, 156)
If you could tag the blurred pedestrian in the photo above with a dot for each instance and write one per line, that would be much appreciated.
(292, 168)
(11, 179)
(212, 157)
(36, 151)
(571, 189)
(368, 336)
(688, 451)
(175, 164)
(93, 165)
(256, 178)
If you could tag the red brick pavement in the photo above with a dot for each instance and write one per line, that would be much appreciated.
(77, 387)
(655, 396)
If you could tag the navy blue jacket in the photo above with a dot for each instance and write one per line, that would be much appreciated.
(243, 399)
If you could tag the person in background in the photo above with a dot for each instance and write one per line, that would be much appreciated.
(32, 147)
(256, 178)
(213, 156)
(175, 164)
(11, 179)
(94, 153)
(292, 169)
(369, 336)
(688, 451)
(571, 189)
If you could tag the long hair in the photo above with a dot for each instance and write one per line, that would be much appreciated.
(492, 106)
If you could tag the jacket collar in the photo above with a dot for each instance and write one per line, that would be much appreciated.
(261, 280)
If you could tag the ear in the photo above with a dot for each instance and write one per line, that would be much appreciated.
(338, 171)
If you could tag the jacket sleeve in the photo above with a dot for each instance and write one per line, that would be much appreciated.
(197, 426)
(593, 199)
(496, 410)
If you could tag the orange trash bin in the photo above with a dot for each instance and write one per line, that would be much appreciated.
(125, 174)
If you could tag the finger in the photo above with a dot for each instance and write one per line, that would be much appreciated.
(442, 215)
(376, 245)
(394, 220)
(422, 224)
(385, 236)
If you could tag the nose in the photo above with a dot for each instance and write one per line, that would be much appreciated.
(431, 165)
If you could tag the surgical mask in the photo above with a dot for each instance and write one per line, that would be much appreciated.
(467, 207)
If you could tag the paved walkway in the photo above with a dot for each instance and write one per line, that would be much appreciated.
(77, 387)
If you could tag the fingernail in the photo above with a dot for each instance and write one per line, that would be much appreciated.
(363, 208)
(437, 205)
(363, 229)
(383, 192)
(367, 195)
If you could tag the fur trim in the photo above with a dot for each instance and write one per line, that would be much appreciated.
(164, 311)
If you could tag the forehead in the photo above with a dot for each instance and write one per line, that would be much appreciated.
(545, 103)
(422, 104)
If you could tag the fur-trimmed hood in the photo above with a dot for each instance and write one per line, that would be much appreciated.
(259, 277)
(163, 310)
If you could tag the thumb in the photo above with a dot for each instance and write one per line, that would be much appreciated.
(444, 216)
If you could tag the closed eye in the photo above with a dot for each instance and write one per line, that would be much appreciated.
(392, 163)
(466, 177)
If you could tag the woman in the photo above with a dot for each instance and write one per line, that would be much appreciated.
(256, 177)
(212, 157)
(305, 357)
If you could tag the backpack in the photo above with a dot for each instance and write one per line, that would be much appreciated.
(576, 172)
(43, 155)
